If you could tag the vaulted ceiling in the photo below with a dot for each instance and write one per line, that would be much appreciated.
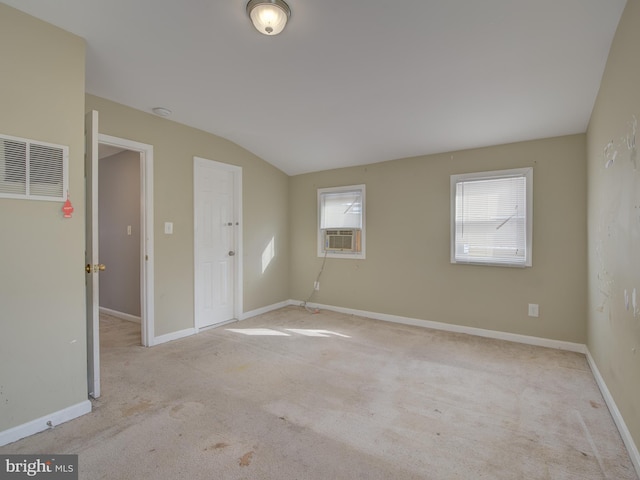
(350, 82)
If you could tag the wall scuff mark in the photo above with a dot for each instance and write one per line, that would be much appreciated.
(618, 232)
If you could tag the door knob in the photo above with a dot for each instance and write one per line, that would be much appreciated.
(231, 253)
(97, 267)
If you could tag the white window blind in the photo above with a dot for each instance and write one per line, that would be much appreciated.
(341, 209)
(33, 170)
(492, 217)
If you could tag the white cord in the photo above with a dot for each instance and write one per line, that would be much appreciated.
(304, 304)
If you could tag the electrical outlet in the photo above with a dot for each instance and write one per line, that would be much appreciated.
(534, 310)
(316, 286)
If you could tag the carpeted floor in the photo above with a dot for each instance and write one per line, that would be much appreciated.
(290, 395)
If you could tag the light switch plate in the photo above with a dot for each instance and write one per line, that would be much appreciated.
(168, 228)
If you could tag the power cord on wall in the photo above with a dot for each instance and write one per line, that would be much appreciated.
(304, 304)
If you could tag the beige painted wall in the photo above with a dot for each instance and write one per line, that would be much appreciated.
(119, 207)
(42, 308)
(408, 272)
(614, 223)
(265, 211)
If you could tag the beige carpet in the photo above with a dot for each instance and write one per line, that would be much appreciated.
(291, 395)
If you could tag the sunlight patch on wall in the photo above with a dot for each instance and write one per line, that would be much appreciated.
(268, 253)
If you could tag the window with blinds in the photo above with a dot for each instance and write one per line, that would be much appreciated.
(33, 170)
(341, 221)
(491, 217)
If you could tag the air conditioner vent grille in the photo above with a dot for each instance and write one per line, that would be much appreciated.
(342, 240)
(340, 232)
(33, 170)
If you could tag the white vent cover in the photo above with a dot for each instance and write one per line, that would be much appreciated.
(340, 240)
(33, 170)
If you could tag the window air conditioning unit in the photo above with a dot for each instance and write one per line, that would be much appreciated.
(342, 240)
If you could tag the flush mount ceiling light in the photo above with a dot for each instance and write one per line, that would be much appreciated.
(268, 16)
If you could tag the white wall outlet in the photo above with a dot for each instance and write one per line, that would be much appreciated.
(316, 286)
(534, 310)
(168, 228)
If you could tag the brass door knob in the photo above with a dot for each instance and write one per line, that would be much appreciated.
(97, 267)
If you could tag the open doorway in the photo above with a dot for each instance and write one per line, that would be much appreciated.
(119, 213)
(126, 203)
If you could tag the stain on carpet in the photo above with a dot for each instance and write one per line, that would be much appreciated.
(217, 446)
(245, 460)
(594, 404)
(175, 410)
(238, 368)
(185, 410)
(142, 406)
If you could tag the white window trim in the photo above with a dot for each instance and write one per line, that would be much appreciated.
(526, 172)
(320, 237)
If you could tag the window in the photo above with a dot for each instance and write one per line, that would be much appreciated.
(341, 222)
(491, 217)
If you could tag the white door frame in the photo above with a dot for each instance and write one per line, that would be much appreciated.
(237, 206)
(92, 258)
(146, 229)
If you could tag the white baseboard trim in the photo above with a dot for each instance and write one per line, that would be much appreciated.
(192, 331)
(479, 332)
(120, 315)
(267, 309)
(173, 336)
(615, 413)
(41, 424)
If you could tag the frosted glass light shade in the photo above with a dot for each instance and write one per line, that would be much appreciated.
(268, 16)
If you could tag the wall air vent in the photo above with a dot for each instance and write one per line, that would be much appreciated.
(342, 240)
(33, 170)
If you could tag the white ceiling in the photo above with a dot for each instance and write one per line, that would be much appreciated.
(350, 82)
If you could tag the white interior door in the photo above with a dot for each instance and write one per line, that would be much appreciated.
(216, 235)
(92, 265)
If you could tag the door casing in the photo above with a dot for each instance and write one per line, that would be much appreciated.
(93, 138)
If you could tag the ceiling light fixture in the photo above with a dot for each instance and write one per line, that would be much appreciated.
(268, 16)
